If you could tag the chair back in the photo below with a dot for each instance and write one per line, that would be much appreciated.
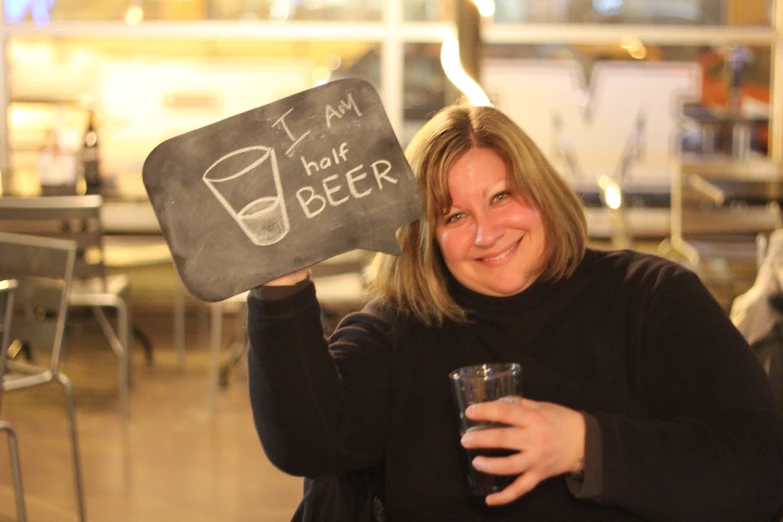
(43, 268)
(77, 218)
(7, 288)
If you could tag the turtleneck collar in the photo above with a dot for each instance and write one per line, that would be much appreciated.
(484, 306)
(479, 304)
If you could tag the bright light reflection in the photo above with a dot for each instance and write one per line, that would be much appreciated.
(639, 54)
(333, 61)
(281, 10)
(450, 61)
(485, 7)
(32, 54)
(81, 58)
(134, 15)
(321, 75)
(612, 194)
(634, 46)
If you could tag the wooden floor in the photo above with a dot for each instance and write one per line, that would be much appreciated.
(173, 460)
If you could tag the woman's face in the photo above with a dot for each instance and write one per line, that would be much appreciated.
(491, 240)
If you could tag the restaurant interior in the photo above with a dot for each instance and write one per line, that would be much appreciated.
(660, 113)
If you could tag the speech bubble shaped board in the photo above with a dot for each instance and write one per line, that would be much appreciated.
(281, 187)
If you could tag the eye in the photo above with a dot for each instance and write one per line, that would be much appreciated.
(453, 218)
(500, 196)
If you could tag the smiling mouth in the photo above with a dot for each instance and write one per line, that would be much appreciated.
(502, 255)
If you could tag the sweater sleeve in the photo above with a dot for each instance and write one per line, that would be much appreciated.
(712, 445)
(319, 405)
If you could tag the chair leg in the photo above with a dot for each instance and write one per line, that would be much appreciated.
(119, 344)
(77, 462)
(145, 343)
(216, 344)
(236, 351)
(16, 471)
(179, 323)
(238, 347)
(123, 326)
(135, 331)
(28, 351)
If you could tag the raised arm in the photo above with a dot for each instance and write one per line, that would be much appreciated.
(319, 405)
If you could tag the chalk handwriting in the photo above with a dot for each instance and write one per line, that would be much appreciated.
(326, 161)
(313, 203)
(265, 220)
(288, 132)
(342, 108)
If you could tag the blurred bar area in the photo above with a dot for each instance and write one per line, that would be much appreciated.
(665, 115)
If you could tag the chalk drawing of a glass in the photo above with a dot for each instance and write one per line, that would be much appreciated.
(247, 184)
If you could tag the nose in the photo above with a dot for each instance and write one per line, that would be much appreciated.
(488, 231)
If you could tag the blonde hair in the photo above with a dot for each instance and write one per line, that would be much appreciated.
(416, 281)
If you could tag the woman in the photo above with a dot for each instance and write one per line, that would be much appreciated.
(642, 401)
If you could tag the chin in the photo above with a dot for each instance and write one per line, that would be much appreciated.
(509, 287)
(506, 292)
(505, 289)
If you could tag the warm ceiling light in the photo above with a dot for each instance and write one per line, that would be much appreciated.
(629, 43)
(612, 195)
(281, 10)
(485, 7)
(452, 66)
(333, 61)
(639, 54)
(634, 46)
(321, 75)
(134, 14)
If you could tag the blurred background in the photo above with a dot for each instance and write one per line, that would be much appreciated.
(665, 115)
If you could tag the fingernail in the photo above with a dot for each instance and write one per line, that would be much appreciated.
(467, 439)
(470, 410)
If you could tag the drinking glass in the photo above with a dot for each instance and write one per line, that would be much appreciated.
(483, 383)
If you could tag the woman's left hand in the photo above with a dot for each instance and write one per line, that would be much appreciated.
(550, 440)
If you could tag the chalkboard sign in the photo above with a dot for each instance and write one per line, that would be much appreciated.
(281, 187)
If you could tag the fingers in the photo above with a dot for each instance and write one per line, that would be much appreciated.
(507, 438)
(521, 486)
(513, 464)
(508, 410)
(290, 279)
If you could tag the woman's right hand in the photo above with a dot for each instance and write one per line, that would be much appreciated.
(549, 440)
(290, 279)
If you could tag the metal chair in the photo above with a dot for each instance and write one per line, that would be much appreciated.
(7, 288)
(43, 269)
(78, 218)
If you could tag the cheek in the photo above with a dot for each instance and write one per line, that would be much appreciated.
(453, 243)
(524, 217)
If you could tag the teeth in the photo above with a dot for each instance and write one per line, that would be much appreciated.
(500, 256)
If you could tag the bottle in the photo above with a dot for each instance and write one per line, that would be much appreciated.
(91, 157)
(48, 154)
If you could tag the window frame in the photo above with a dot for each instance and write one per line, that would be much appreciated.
(393, 32)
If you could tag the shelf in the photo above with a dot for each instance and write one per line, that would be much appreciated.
(755, 170)
(740, 220)
(722, 181)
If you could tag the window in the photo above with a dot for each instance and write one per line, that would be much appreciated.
(654, 12)
(146, 91)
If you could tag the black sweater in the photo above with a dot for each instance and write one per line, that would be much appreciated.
(687, 427)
